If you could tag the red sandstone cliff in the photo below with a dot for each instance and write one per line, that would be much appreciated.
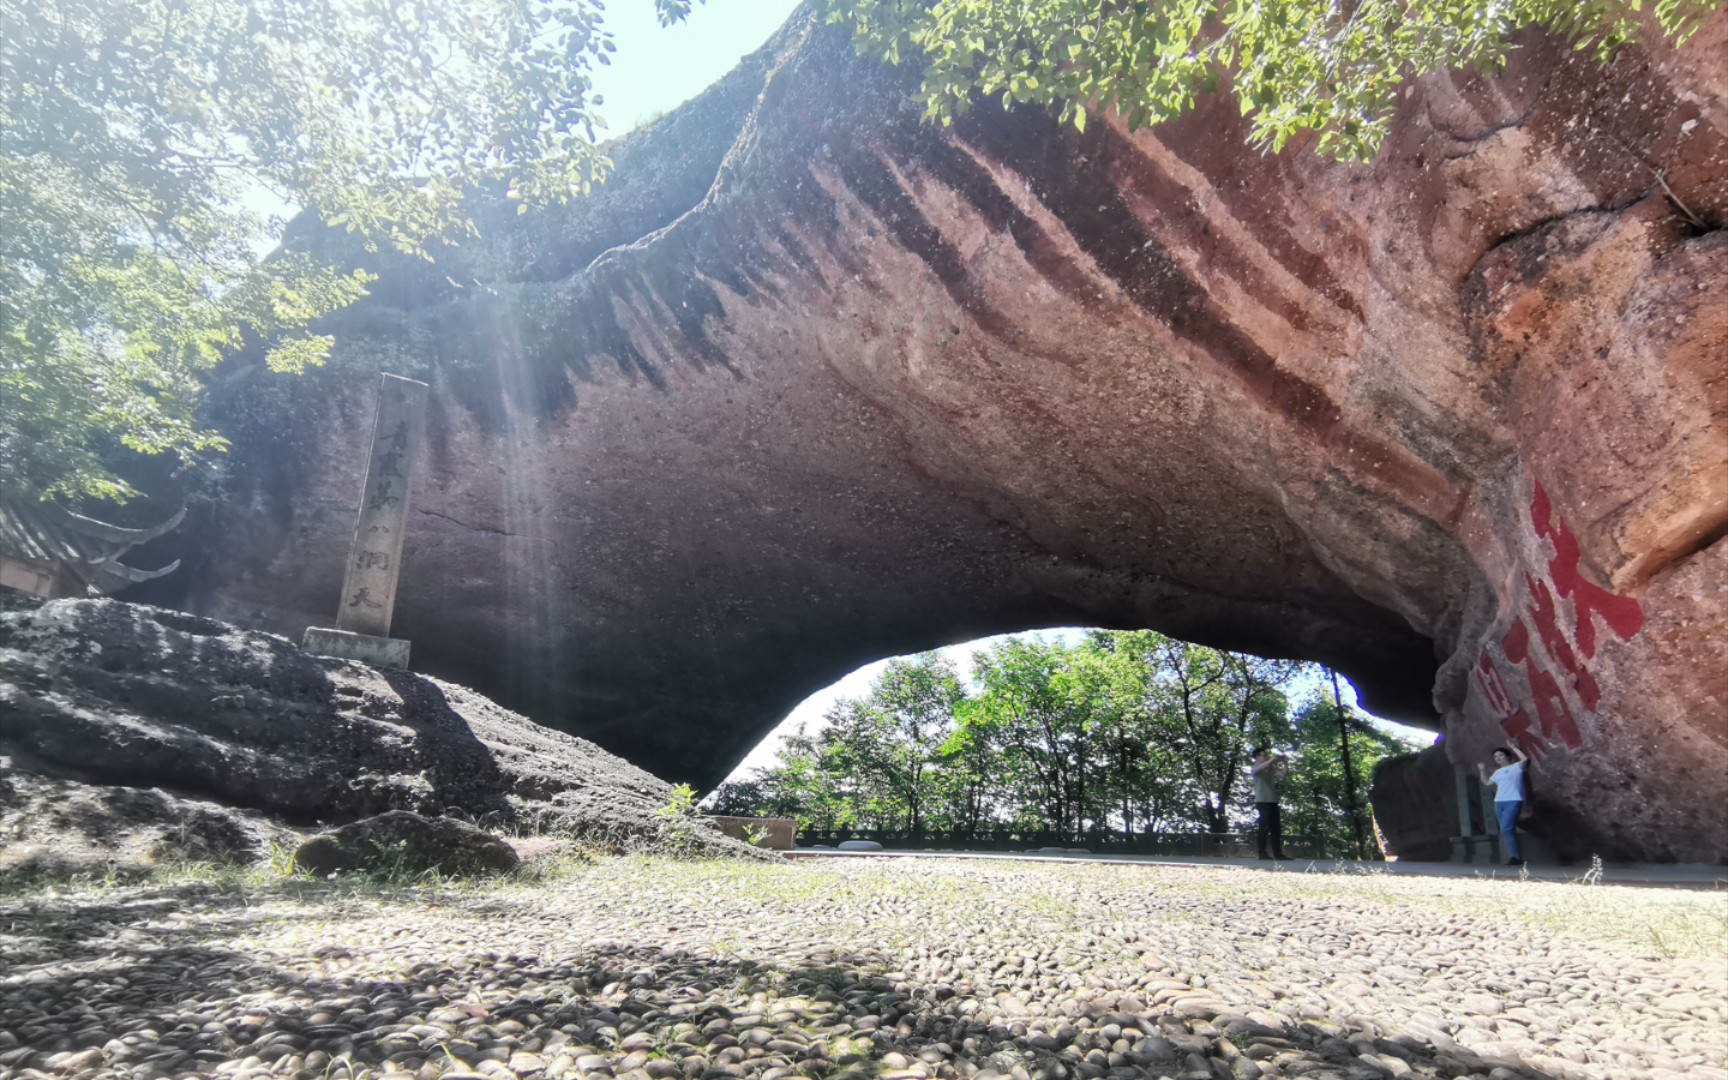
(1456, 422)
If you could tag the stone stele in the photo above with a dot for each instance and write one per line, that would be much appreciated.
(375, 554)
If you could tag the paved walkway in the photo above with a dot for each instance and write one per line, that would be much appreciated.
(1668, 875)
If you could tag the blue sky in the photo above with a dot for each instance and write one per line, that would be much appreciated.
(655, 70)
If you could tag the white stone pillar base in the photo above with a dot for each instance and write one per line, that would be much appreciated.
(381, 652)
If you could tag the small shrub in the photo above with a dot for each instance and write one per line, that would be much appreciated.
(678, 824)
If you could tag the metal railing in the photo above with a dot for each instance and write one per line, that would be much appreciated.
(1200, 844)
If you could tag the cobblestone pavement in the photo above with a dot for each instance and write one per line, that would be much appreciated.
(903, 969)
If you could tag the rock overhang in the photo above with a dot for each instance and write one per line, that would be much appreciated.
(858, 386)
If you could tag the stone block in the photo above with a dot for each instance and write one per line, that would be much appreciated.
(1415, 802)
(367, 649)
(27, 576)
(775, 834)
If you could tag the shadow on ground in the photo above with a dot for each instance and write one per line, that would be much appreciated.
(156, 984)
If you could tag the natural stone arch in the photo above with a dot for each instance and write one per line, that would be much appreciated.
(812, 383)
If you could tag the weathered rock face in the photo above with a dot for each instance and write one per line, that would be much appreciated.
(55, 827)
(403, 842)
(140, 735)
(1453, 422)
(1415, 802)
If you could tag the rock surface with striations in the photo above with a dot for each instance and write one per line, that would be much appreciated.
(811, 383)
(137, 735)
(403, 842)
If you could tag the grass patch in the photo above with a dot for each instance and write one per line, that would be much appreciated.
(1668, 923)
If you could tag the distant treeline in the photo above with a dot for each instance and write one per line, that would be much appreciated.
(1130, 732)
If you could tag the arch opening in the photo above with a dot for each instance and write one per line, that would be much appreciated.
(1121, 741)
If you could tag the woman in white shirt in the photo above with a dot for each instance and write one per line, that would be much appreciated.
(1508, 781)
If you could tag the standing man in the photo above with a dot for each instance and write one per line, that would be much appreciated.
(1268, 768)
(1508, 781)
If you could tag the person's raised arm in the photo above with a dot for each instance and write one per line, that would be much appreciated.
(1518, 751)
(1482, 771)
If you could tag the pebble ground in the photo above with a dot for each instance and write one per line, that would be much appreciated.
(899, 969)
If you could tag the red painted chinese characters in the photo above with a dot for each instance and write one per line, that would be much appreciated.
(1556, 667)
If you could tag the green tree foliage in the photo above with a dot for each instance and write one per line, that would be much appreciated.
(812, 781)
(894, 734)
(1127, 732)
(138, 137)
(1315, 795)
(967, 771)
(1294, 65)
(1034, 708)
(1211, 707)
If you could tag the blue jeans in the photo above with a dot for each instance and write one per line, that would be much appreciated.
(1507, 813)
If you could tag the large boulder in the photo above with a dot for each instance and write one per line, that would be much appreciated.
(54, 827)
(1415, 800)
(820, 382)
(401, 842)
(139, 735)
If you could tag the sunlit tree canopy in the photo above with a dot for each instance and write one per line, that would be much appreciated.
(139, 140)
(1122, 732)
(1295, 66)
